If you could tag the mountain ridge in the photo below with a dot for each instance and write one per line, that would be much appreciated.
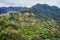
(5, 9)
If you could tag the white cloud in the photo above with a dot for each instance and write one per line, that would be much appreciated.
(50, 2)
(3, 5)
(29, 3)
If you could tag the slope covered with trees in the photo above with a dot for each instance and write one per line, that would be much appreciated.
(25, 25)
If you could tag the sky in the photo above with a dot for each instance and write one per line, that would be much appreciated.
(28, 3)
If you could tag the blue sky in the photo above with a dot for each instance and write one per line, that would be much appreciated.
(28, 3)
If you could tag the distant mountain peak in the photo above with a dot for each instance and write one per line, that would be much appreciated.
(45, 6)
(41, 4)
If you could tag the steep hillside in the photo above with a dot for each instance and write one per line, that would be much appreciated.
(25, 25)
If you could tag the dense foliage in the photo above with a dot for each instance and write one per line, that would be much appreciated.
(26, 26)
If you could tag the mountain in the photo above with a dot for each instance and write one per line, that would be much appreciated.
(7, 9)
(46, 11)
(41, 11)
(40, 22)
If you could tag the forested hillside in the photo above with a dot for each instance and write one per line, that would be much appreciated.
(26, 25)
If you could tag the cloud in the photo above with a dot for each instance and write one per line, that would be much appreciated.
(50, 2)
(3, 5)
(29, 3)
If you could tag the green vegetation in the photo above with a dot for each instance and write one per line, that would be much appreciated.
(26, 26)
